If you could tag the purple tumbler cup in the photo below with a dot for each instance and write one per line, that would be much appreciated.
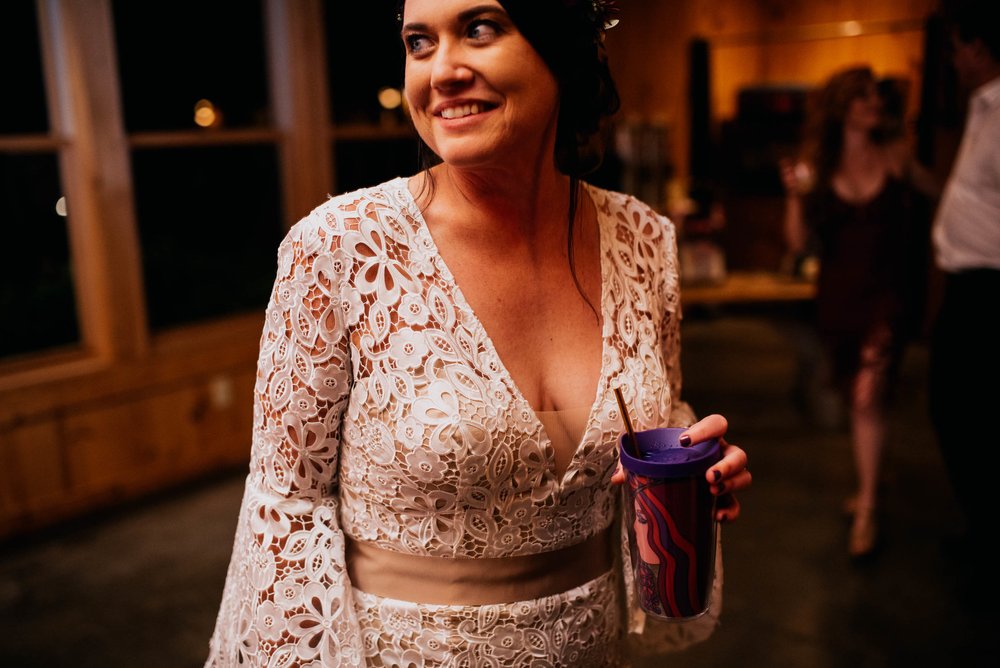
(670, 516)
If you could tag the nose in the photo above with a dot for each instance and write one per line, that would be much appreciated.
(450, 69)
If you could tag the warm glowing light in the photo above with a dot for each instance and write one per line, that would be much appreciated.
(61, 206)
(852, 28)
(205, 114)
(390, 98)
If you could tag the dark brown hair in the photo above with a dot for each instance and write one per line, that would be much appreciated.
(825, 134)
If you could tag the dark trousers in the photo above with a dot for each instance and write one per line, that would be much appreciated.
(964, 392)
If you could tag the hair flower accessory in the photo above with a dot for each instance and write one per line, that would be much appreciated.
(601, 14)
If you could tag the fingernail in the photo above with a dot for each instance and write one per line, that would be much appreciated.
(717, 475)
(722, 520)
(685, 441)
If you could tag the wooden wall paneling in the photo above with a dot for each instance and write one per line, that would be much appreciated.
(71, 446)
(112, 449)
(32, 471)
(111, 453)
(222, 417)
(178, 357)
(164, 438)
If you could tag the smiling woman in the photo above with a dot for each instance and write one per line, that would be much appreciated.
(434, 476)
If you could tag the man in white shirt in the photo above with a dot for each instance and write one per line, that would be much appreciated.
(965, 347)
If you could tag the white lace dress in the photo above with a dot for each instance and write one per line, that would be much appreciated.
(383, 412)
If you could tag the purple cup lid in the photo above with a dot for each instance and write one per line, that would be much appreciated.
(663, 457)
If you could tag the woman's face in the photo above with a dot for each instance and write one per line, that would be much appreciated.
(864, 111)
(478, 93)
(641, 526)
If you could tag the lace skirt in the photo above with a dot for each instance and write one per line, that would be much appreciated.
(581, 627)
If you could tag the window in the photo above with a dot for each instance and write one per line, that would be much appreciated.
(37, 299)
(153, 154)
(209, 225)
(171, 55)
(205, 163)
(373, 138)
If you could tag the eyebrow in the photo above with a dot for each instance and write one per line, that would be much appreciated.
(463, 17)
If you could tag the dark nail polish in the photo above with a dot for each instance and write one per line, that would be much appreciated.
(685, 441)
(717, 474)
(721, 486)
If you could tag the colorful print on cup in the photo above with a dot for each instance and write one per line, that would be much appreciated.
(671, 524)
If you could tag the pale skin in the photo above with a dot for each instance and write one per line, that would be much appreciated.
(485, 102)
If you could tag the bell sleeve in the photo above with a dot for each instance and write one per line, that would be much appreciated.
(287, 600)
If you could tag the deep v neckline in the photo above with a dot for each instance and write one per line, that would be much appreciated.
(474, 321)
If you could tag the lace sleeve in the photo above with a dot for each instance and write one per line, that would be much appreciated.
(681, 414)
(287, 599)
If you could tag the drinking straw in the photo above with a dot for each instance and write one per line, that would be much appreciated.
(628, 423)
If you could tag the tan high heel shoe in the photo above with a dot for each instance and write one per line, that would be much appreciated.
(863, 538)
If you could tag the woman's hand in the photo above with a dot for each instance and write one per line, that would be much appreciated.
(789, 179)
(730, 474)
(796, 176)
(727, 476)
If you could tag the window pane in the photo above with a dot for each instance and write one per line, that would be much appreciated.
(37, 303)
(356, 33)
(171, 55)
(210, 224)
(23, 109)
(367, 163)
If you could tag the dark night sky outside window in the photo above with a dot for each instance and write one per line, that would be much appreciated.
(37, 301)
(209, 229)
(173, 54)
(37, 304)
(370, 31)
(356, 33)
(23, 109)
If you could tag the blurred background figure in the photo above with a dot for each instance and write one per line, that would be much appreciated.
(853, 204)
(965, 358)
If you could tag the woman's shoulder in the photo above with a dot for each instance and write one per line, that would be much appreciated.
(624, 206)
(635, 221)
(339, 211)
(345, 212)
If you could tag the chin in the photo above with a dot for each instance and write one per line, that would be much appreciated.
(477, 154)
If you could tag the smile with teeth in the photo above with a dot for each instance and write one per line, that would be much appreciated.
(462, 111)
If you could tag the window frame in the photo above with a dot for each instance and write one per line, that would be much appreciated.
(93, 149)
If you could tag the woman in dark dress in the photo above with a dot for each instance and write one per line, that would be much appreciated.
(852, 202)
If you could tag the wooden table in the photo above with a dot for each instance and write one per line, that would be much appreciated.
(749, 286)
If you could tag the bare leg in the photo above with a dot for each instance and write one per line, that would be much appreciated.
(868, 429)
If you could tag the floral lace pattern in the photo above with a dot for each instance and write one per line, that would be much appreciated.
(383, 412)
